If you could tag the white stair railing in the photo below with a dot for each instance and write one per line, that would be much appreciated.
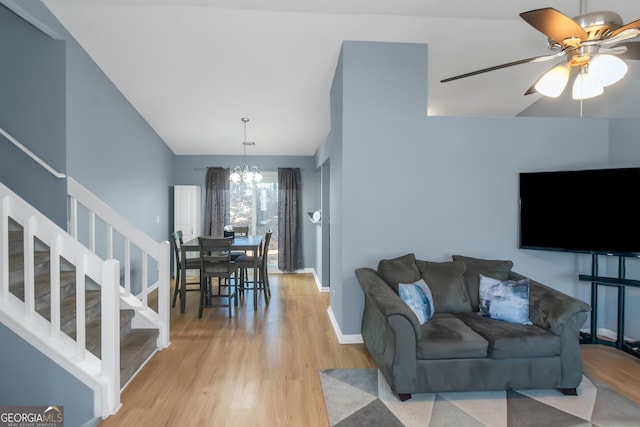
(96, 210)
(102, 375)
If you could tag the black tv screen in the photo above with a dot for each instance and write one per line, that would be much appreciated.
(592, 211)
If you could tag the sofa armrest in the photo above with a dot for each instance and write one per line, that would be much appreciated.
(550, 308)
(390, 331)
(384, 299)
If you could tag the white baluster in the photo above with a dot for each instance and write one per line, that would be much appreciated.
(110, 330)
(80, 307)
(55, 287)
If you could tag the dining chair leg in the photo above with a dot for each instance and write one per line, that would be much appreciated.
(176, 289)
(235, 283)
(266, 283)
(202, 290)
(263, 284)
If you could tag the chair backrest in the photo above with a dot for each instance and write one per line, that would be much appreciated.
(176, 237)
(264, 250)
(215, 256)
(241, 231)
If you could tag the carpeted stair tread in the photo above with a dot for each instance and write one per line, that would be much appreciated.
(135, 348)
(16, 241)
(43, 288)
(68, 310)
(16, 266)
(94, 335)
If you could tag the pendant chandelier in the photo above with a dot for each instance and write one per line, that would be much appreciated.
(245, 173)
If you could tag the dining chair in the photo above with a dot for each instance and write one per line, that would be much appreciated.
(239, 231)
(191, 264)
(245, 262)
(215, 261)
(242, 231)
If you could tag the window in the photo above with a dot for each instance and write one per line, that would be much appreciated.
(256, 205)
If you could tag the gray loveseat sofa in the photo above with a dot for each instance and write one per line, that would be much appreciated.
(458, 349)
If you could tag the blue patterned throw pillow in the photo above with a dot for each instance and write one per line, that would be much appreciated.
(418, 297)
(506, 300)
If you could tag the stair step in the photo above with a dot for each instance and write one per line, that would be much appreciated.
(43, 290)
(16, 244)
(68, 311)
(94, 337)
(135, 348)
(16, 266)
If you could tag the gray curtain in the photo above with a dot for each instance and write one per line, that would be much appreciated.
(217, 199)
(289, 219)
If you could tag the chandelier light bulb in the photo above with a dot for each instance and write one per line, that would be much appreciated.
(553, 82)
(607, 69)
(235, 174)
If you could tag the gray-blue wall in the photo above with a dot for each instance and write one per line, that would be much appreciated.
(23, 367)
(437, 186)
(32, 110)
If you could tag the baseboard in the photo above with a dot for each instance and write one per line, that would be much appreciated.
(606, 333)
(317, 280)
(343, 339)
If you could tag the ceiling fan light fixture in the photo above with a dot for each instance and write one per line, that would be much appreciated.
(586, 86)
(607, 69)
(553, 82)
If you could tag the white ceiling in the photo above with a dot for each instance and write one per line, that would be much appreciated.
(194, 68)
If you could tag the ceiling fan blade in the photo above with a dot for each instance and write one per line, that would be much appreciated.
(627, 34)
(631, 25)
(555, 25)
(632, 51)
(616, 50)
(508, 64)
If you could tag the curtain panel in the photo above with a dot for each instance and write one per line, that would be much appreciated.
(217, 199)
(290, 220)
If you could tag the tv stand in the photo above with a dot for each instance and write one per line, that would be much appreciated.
(620, 282)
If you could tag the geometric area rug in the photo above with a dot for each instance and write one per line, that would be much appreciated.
(362, 397)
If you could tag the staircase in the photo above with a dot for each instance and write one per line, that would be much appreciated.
(136, 345)
(78, 309)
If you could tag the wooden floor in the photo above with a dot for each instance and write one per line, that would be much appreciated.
(261, 368)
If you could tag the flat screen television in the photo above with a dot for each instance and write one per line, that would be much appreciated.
(590, 211)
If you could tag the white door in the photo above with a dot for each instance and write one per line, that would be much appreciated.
(186, 214)
(186, 210)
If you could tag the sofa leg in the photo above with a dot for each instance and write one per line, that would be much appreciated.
(569, 391)
(404, 396)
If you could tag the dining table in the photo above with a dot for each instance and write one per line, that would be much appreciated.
(238, 243)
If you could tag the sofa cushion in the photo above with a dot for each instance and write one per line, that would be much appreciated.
(446, 281)
(399, 270)
(447, 337)
(489, 267)
(419, 299)
(506, 300)
(510, 340)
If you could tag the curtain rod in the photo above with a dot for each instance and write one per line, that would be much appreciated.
(204, 169)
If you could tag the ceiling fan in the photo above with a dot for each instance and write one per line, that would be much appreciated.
(590, 45)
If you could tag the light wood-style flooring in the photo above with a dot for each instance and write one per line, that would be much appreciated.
(261, 368)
